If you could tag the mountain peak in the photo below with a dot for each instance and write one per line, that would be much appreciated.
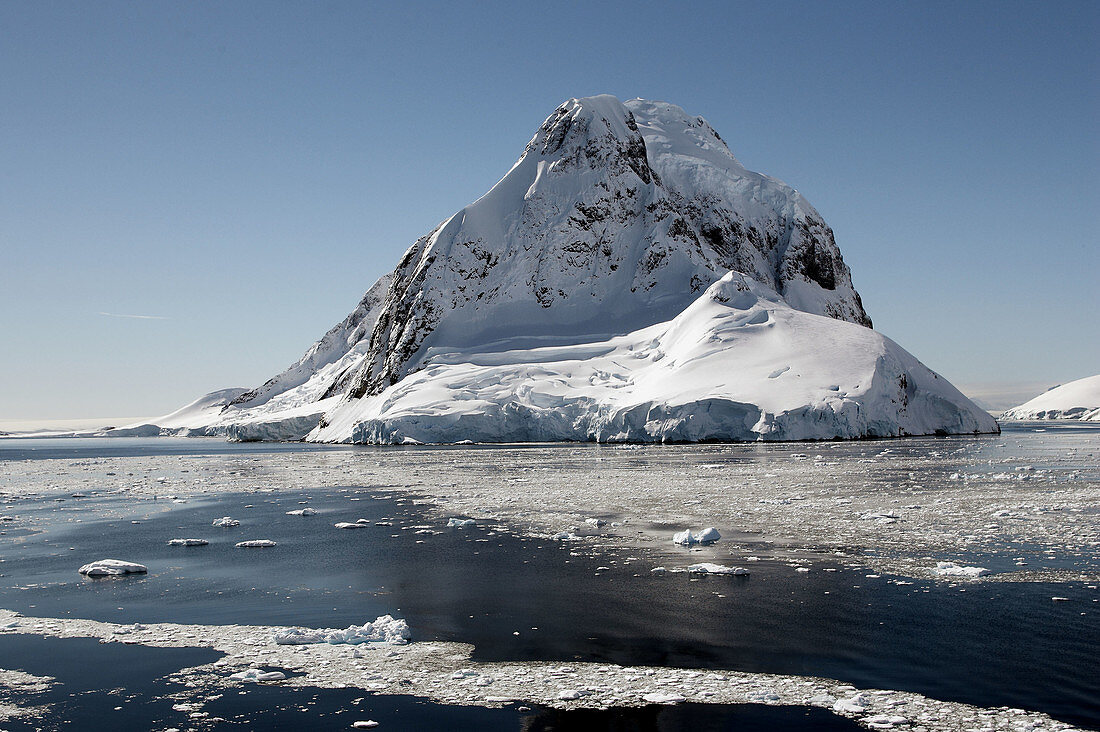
(627, 279)
(616, 216)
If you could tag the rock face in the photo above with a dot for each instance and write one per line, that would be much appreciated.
(606, 235)
(1076, 400)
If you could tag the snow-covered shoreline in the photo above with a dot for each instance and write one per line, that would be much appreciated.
(1078, 400)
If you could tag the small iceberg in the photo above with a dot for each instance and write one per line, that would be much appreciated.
(302, 512)
(360, 524)
(458, 523)
(384, 629)
(706, 536)
(950, 569)
(187, 542)
(255, 543)
(111, 568)
(225, 521)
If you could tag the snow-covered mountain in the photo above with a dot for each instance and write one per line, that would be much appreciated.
(587, 295)
(1076, 400)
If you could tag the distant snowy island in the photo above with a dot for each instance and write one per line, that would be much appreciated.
(628, 280)
(1078, 399)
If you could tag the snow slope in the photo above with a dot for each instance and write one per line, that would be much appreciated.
(1076, 400)
(737, 364)
(571, 301)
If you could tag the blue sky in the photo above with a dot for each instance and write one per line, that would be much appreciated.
(244, 171)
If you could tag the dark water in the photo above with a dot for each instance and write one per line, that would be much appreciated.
(985, 644)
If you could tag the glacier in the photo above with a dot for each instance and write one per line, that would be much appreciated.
(628, 280)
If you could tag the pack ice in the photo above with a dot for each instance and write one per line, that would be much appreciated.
(627, 280)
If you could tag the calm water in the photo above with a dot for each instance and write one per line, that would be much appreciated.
(481, 585)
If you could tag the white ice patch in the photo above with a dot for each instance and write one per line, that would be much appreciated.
(950, 569)
(302, 512)
(255, 544)
(384, 629)
(360, 524)
(187, 542)
(255, 675)
(112, 567)
(225, 521)
(458, 523)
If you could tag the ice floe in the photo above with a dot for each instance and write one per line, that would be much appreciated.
(360, 524)
(710, 568)
(112, 567)
(427, 670)
(255, 674)
(661, 697)
(255, 543)
(225, 521)
(950, 569)
(302, 512)
(187, 542)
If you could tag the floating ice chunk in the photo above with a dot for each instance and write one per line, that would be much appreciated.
(255, 543)
(570, 694)
(658, 570)
(361, 523)
(706, 536)
(187, 542)
(365, 724)
(225, 521)
(883, 721)
(458, 523)
(565, 536)
(597, 522)
(255, 675)
(856, 704)
(7, 518)
(302, 512)
(709, 568)
(384, 629)
(660, 697)
(950, 569)
(110, 567)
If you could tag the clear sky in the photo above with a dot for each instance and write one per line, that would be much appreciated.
(239, 173)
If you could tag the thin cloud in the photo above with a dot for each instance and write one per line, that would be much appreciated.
(136, 317)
